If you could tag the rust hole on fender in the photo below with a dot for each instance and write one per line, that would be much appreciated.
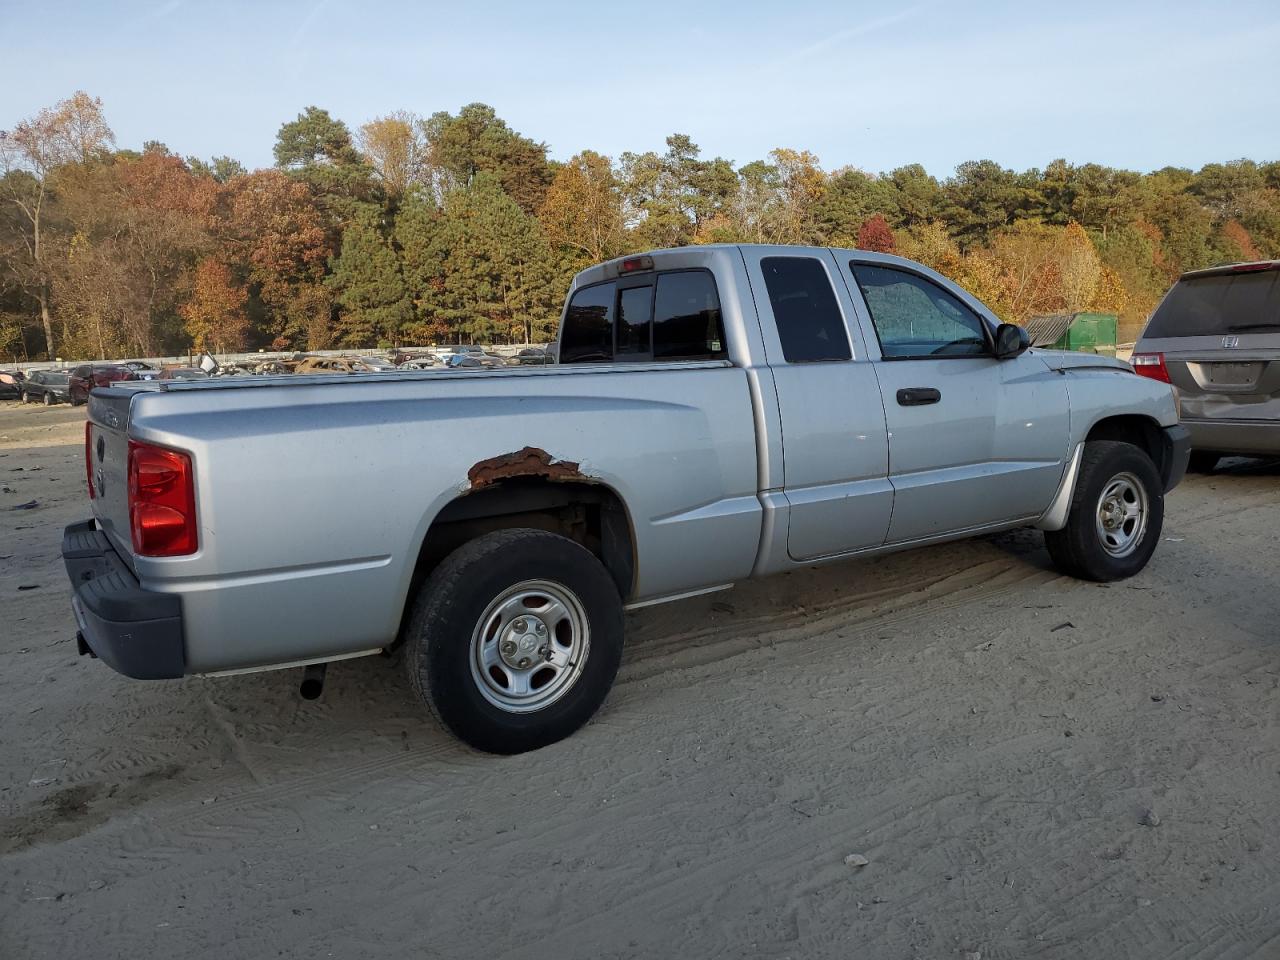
(529, 462)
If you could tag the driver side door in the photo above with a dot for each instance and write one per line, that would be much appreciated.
(973, 441)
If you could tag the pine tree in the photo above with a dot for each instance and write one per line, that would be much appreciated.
(368, 284)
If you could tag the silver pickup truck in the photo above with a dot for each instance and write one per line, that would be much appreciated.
(716, 413)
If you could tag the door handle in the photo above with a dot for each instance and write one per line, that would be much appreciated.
(918, 396)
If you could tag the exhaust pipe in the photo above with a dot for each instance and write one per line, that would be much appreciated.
(312, 681)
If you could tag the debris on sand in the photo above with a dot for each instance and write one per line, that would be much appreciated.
(1149, 818)
(29, 505)
(856, 860)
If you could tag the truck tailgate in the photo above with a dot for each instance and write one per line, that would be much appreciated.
(107, 463)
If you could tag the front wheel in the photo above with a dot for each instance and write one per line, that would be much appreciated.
(26, 397)
(514, 640)
(48, 399)
(1117, 512)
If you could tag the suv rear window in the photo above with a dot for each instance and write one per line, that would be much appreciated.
(1214, 305)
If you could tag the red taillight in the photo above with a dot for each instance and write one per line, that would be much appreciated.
(88, 455)
(162, 501)
(1150, 365)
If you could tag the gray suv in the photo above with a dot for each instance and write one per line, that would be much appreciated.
(1216, 337)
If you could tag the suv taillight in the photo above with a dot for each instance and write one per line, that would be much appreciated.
(88, 455)
(162, 501)
(1150, 365)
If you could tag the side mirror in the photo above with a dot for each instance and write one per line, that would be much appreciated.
(1011, 341)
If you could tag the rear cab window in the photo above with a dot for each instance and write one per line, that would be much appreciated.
(810, 325)
(669, 315)
(1243, 301)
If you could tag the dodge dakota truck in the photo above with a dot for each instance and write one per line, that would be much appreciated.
(715, 413)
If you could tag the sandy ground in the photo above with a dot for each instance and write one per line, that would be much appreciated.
(989, 735)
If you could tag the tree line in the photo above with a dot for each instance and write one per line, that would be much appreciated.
(456, 228)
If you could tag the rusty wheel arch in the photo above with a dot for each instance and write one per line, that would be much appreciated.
(530, 488)
(525, 463)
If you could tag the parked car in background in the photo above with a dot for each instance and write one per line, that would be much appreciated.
(273, 367)
(1216, 337)
(11, 384)
(464, 361)
(444, 353)
(426, 362)
(531, 357)
(89, 375)
(183, 373)
(344, 365)
(47, 387)
(718, 413)
(141, 369)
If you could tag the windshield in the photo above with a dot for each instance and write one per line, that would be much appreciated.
(1214, 305)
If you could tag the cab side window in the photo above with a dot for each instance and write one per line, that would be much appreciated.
(587, 336)
(687, 324)
(810, 325)
(915, 318)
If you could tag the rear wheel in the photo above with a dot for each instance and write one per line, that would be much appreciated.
(1202, 461)
(1117, 512)
(514, 640)
(26, 397)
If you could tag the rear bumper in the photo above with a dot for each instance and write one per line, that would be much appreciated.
(134, 631)
(1256, 437)
(1177, 450)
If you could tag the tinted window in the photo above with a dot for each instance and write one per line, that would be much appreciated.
(1211, 306)
(686, 317)
(914, 317)
(805, 309)
(635, 310)
(81, 372)
(588, 326)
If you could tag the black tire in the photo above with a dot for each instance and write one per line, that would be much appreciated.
(1078, 549)
(445, 625)
(26, 397)
(1202, 461)
(48, 399)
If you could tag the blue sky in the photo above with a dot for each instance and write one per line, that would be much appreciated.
(873, 85)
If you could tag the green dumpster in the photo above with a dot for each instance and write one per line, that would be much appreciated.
(1090, 333)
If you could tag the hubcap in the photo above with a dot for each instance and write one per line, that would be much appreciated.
(530, 645)
(1122, 515)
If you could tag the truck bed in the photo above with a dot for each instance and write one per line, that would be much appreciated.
(315, 493)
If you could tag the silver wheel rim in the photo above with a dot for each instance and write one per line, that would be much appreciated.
(1122, 515)
(529, 646)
